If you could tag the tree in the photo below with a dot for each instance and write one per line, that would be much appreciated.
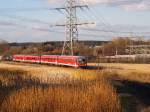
(4, 46)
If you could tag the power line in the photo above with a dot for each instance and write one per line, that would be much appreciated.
(39, 29)
(113, 31)
(55, 31)
(21, 9)
(86, 29)
(24, 19)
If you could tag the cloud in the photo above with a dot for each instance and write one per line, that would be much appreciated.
(128, 5)
(4, 23)
(142, 6)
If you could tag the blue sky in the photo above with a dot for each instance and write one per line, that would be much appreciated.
(31, 20)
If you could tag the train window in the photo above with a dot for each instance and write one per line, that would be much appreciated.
(82, 60)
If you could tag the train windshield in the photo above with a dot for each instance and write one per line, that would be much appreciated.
(82, 61)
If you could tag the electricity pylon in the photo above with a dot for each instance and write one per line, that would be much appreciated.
(71, 26)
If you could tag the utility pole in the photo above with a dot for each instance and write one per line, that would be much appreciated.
(131, 43)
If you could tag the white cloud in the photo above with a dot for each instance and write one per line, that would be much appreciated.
(137, 6)
(129, 5)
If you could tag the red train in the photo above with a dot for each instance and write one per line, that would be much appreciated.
(73, 61)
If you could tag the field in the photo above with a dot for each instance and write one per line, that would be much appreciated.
(42, 88)
(35, 88)
(132, 82)
(134, 72)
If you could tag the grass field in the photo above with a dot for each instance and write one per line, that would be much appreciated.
(134, 72)
(36, 88)
(132, 82)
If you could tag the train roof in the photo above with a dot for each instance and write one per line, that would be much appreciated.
(25, 55)
(63, 56)
(50, 55)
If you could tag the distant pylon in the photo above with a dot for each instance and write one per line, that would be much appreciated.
(71, 28)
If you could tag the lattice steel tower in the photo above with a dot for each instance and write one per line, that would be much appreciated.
(71, 27)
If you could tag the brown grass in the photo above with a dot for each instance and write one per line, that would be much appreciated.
(133, 72)
(86, 98)
(54, 89)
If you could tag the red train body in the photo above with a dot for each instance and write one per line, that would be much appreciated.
(73, 61)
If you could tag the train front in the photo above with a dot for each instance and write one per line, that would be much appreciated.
(82, 62)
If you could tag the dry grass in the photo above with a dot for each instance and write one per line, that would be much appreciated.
(133, 72)
(128, 67)
(55, 89)
(86, 98)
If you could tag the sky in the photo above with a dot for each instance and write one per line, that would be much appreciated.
(35, 21)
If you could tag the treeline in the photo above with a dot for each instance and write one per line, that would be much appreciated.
(123, 46)
(124, 50)
(48, 48)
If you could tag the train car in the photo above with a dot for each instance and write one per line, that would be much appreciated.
(49, 59)
(73, 61)
(7, 58)
(18, 57)
(33, 59)
(26, 58)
